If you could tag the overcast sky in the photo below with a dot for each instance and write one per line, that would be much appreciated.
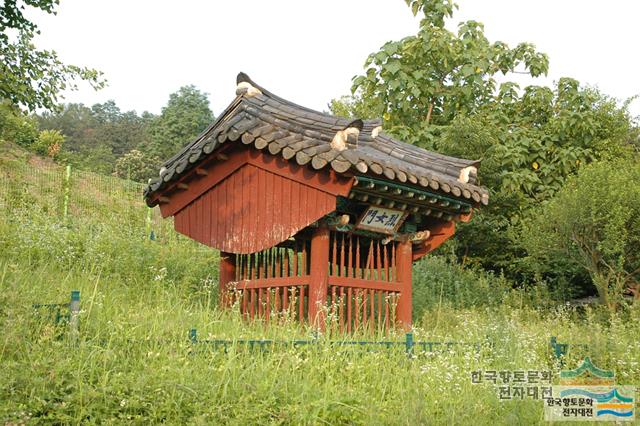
(308, 51)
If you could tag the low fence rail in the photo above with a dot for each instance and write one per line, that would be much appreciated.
(67, 314)
(409, 344)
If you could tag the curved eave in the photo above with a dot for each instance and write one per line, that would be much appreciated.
(267, 122)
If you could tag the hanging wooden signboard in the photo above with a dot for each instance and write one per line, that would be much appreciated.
(381, 219)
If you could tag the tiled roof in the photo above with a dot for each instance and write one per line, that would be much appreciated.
(267, 122)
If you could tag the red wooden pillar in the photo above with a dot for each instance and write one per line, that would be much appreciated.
(227, 275)
(318, 277)
(405, 266)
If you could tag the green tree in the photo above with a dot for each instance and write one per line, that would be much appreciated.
(30, 77)
(184, 117)
(428, 79)
(49, 143)
(120, 131)
(530, 144)
(594, 223)
(354, 107)
(17, 127)
(137, 166)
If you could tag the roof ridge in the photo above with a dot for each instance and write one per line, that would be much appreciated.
(244, 78)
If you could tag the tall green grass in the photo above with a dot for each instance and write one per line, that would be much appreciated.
(134, 363)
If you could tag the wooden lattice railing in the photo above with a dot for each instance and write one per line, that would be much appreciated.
(273, 281)
(362, 287)
(362, 282)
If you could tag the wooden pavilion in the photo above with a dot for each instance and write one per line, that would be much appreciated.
(313, 214)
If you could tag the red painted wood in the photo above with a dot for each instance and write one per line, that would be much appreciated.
(252, 304)
(227, 275)
(178, 199)
(358, 269)
(245, 294)
(318, 277)
(439, 234)
(286, 264)
(326, 179)
(334, 255)
(394, 262)
(304, 268)
(386, 311)
(341, 317)
(349, 302)
(274, 282)
(405, 261)
(285, 299)
(350, 262)
(217, 170)
(334, 301)
(301, 292)
(267, 304)
(363, 304)
(247, 222)
(378, 261)
(295, 259)
(380, 296)
(357, 303)
(371, 311)
(343, 263)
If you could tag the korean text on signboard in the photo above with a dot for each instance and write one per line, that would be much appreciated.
(380, 219)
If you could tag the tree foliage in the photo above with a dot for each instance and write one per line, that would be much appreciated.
(437, 74)
(135, 165)
(17, 127)
(184, 117)
(594, 223)
(106, 139)
(49, 143)
(530, 144)
(97, 136)
(30, 77)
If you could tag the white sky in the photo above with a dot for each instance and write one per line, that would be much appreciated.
(307, 51)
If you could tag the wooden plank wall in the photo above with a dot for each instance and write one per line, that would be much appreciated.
(251, 210)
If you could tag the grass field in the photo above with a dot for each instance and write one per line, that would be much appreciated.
(134, 363)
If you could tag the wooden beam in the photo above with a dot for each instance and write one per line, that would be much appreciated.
(439, 234)
(318, 278)
(227, 275)
(404, 270)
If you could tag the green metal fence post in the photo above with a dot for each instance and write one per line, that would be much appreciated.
(67, 190)
(559, 349)
(409, 343)
(193, 335)
(74, 311)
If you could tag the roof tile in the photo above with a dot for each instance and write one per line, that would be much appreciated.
(290, 130)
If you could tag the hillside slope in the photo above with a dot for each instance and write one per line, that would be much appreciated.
(134, 364)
